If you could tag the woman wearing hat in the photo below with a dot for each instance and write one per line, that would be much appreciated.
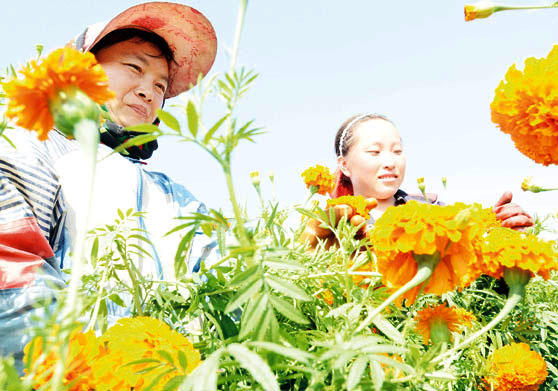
(150, 52)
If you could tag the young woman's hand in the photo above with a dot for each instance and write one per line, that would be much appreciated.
(511, 215)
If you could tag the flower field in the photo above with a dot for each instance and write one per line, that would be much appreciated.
(431, 297)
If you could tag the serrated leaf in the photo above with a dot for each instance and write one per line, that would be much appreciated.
(117, 300)
(286, 288)
(192, 118)
(356, 371)
(378, 375)
(283, 265)
(244, 295)
(214, 128)
(173, 383)
(254, 364)
(95, 251)
(244, 276)
(166, 355)
(286, 351)
(168, 119)
(204, 377)
(253, 315)
(144, 128)
(387, 328)
(287, 310)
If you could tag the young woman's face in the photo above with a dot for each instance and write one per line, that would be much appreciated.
(138, 75)
(375, 162)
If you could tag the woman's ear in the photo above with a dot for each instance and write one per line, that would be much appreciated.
(342, 164)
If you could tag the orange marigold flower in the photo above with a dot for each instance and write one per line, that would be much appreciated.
(319, 179)
(133, 339)
(327, 296)
(453, 231)
(432, 320)
(359, 204)
(515, 367)
(466, 318)
(525, 106)
(31, 97)
(506, 248)
(483, 9)
(78, 376)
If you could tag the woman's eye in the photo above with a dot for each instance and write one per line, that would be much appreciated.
(398, 151)
(134, 67)
(374, 153)
(162, 87)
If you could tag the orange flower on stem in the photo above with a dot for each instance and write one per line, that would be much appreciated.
(515, 367)
(525, 107)
(359, 205)
(482, 9)
(319, 179)
(58, 82)
(438, 322)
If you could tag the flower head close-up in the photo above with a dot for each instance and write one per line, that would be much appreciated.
(515, 367)
(436, 323)
(319, 179)
(525, 106)
(32, 98)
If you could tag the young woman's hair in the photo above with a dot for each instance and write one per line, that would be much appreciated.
(126, 34)
(344, 139)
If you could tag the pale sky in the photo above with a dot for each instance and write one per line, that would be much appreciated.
(321, 61)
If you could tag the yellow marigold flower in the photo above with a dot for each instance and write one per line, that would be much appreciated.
(255, 176)
(359, 204)
(525, 106)
(453, 231)
(436, 321)
(466, 318)
(327, 296)
(506, 248)
(482, 9)
(319, 179)
(31, 98)
(78, 376)
(133, 339)
(515, 367)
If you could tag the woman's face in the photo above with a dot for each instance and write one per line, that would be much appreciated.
(138, 75)
(375, 162)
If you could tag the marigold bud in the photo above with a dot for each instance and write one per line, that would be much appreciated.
(70, 107)
(482, 9)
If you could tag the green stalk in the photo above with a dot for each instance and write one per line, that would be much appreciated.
(95, 314)
(426, 266)
(135, 285)
(242, 5)
(87, 133)
(524, 7)
(237, 212)
(515, 296)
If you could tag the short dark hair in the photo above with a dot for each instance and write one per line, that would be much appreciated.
(127, 34)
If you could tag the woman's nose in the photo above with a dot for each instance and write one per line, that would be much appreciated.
(144, 93)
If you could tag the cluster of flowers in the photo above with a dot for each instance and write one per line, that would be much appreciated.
(135, 354)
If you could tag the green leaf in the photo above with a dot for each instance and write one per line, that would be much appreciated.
(168, 119)
(144, 128)
(143, 361)
(287, 310)
(117, 300)
(253, 315)
(243, 295)
(157, 379)
(378, 375)
(182, 359)
(213, 129)
(254, 364)
(135, 141)
(192, 118)
(286, 288)
(166, 355)
(204, 377)
(244, 276)
(95, 251)
(357, 369)
(278, 264)
(286, 351)
(172, 384)
(387, 328)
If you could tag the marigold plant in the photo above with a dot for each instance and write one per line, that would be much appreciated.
(30, 98)
(525, 107)
(515, 368)
(414, 229)
(78, 375)
(433, 318)
(506, 248)
(319, 179)
(152, 342)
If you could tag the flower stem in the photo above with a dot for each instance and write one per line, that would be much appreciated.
(515, 296)
(242, 5)
(524, 7)
(95, 314)
(426, 265)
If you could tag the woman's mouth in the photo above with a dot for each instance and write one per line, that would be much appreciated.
(140, 110)
(388, 177)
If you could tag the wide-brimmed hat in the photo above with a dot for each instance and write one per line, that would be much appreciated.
(188, 33)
